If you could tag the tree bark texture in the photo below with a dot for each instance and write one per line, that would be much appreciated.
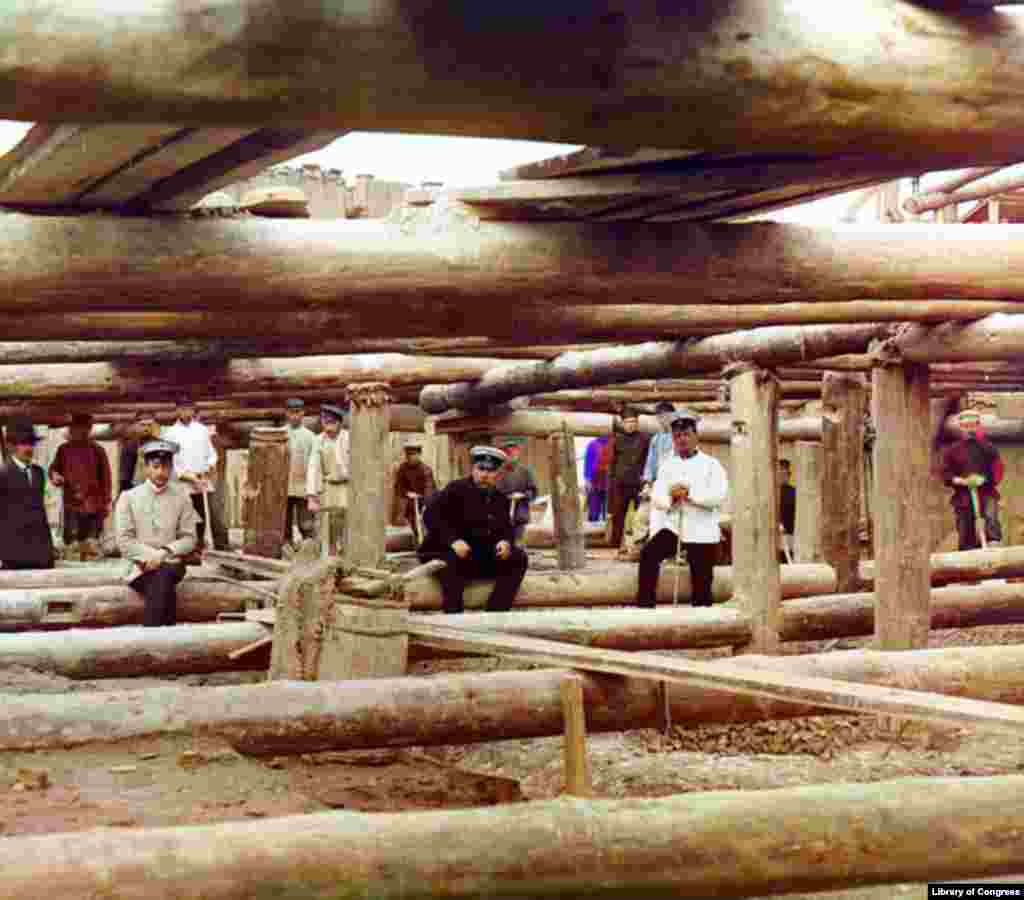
(266, 492)
(117, 604)
(997, 337)
(843, 409)
(370, 467)
(755, 498)
(808, 468)
(902, 454)
(614, 584)
(761, 346)
(565, 502)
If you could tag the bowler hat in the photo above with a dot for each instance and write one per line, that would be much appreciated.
(20, 431)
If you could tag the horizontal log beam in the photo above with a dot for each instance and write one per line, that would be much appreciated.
(997, 337)
(1008, 179)
(764, 346)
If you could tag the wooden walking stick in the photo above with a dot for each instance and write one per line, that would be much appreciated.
(979, 520)
(679, 556)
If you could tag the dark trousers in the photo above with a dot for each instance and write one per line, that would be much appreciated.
(481, 563)
(197, 505)
(969, 539)
(21, 564)
(618, 502)
(664, 545)
(297, 513)
(81, 526)
(159, 590)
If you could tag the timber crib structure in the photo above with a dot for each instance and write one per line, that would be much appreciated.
(643, 267)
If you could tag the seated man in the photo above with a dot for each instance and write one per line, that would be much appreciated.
(469, 527)
(156, 525)
(685, 507)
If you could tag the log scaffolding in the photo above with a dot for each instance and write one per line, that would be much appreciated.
(370, 474)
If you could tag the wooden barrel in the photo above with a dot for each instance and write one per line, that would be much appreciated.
(368, 638)
(266, 492)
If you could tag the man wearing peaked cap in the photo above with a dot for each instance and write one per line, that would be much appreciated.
(156, 526)
(470, 528)
(196, 459)
(327, 478)
(25, 539)
(973, 468)
(516, 482)
(627, 454)
(414, 485)
(300, 448)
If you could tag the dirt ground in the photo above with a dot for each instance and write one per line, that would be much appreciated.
(180, 780)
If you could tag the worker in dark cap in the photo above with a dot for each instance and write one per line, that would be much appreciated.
(686, 504)
(661, 447)
(414, 486)
(300, 449)
(327, 478)
(469, 527)
(628, 455)
(25, 539)
(81, 467)
(516, 482)
(156, 526)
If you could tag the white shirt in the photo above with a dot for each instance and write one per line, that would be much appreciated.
(709, 487)
(197, 453)
(330, 469)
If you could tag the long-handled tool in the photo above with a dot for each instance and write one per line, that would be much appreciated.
(207, 524)
(417, 516)
(679, 555)
(979, 520)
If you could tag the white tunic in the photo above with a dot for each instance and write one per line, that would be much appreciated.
(196, 453)
(709, 487)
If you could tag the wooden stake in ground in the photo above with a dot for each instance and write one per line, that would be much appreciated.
(565, 502)
(370, 474)
(266, 492)
(755, 499)
(842, 437)
(901, 462)
(577, 768)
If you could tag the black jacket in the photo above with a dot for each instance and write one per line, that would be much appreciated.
(463, 511)
(24, 532)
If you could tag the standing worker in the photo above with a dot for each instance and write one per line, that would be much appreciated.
(661, 446)
(156, 527)
(25, 539)
(414, 483)
(469, 527)
(300, 449)
(195, 459)
(685, 507)
(972, 464)
(628, 454)
(327, 478)
(787, 508)
(81, 467)
(516, 482)
(131, 470)
(595, 476)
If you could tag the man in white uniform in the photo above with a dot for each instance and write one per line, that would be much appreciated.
(195, 460)
(685, 506)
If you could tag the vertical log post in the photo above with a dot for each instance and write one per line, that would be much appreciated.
(437, 452)
(369, 473)
(755, 501)
(901, 456)
(577, 768)
(842, 437)
(565, 501)
(266, 492)
(808, 465)
(458, 456)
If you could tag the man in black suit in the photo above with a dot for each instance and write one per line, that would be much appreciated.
(25, 540)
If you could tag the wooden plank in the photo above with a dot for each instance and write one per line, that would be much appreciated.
(775, 685)
(594, 159)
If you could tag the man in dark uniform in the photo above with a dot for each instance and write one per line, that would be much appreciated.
(25, 539)
(972, 465)
(628, 454)
(469, 527)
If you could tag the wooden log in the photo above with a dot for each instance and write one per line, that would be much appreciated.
(199, 600)
(132, 652)
(843, 408)
(565, 502)
(614, 584)
(1007, 179)
(997, 337)
(370, 484)
(808, 466)
(763, 346)
(712, 429)
(266, 492)
(103, 382)
(901, 466)
(631, 847)
(964, 565)
(755, 493)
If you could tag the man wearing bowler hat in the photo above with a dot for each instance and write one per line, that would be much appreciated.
(469, 526)
(25, 539)
(156, 526)
(686, 503)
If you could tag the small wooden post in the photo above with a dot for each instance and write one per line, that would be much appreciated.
(369, 474)
(808, 464)
(755, 502)
(565, 502)
(901, 464)
(842, 438)
(577, 768)
(266, 492)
